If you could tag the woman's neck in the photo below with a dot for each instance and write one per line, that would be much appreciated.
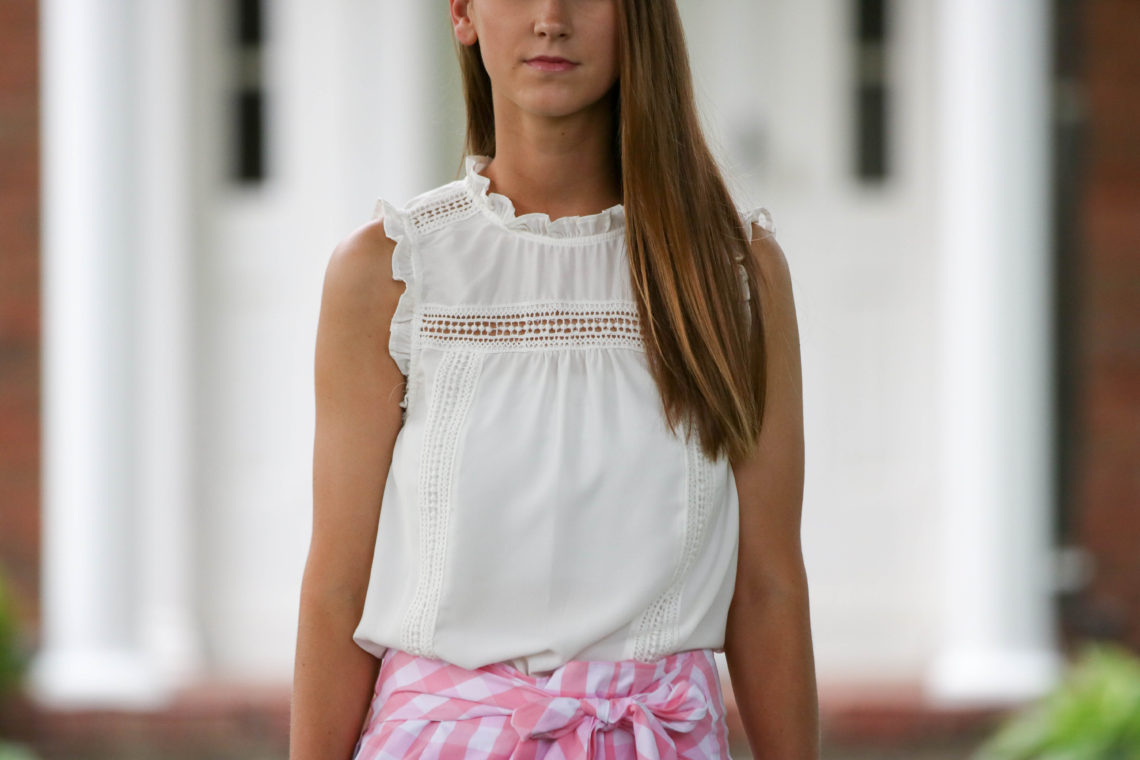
(561, 167)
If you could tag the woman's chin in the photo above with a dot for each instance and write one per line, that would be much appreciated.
(556, 107)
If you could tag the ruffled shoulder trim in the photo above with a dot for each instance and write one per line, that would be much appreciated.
(759, 215)
(610, 220)
(398, 227)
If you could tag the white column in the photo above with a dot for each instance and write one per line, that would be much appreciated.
(115, 594)
(167, 619)
(997, 633)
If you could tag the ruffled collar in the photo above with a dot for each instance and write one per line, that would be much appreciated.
(611, 220)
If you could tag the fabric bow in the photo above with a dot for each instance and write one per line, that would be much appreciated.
(575, 722)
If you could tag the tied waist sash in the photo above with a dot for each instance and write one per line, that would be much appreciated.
(671, 708)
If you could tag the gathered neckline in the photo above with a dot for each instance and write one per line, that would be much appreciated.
(603, 223)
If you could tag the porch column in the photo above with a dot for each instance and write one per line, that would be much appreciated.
(117, 623)
(998, 623)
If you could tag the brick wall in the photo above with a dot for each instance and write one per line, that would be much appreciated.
(1105, 492)
(20, 304)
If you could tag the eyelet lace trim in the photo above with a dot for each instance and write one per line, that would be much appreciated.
(532, 326)
(610, 221)
(439, 209)
(656, 631)
(454, 390)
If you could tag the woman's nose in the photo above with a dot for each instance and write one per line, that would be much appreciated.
(551, 20)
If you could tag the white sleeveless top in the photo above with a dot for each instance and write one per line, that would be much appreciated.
(537, 509)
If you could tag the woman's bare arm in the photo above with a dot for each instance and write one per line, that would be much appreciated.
(768, 643)
(358, 389)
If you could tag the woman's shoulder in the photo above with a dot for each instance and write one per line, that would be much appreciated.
(359, 299)
(371, 267)
(358, 275)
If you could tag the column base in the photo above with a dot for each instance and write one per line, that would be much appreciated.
(992, 676)
(96, 679)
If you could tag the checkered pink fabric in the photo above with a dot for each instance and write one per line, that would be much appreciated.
(585, 709)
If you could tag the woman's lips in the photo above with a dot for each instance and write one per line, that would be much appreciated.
(545, 63)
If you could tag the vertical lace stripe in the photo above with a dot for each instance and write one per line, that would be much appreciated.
(655, 631)
(454, 389)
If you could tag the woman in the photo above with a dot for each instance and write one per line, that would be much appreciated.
(572, 379)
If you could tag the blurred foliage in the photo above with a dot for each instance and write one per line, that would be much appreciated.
(13, 661)
(16, 752)
(13, 658)
(1094, 714)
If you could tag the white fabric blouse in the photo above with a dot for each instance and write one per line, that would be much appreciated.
(537, 509)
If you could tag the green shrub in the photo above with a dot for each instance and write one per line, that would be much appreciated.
(16, 752)
(13, 659)
(1094, 714)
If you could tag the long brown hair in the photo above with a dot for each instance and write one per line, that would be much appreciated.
(684, 236)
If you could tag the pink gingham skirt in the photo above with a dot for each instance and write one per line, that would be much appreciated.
(585, 709)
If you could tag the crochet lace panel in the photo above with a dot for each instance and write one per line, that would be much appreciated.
(656, 631)
(440, 209)
(532, 326)
(456, 379)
